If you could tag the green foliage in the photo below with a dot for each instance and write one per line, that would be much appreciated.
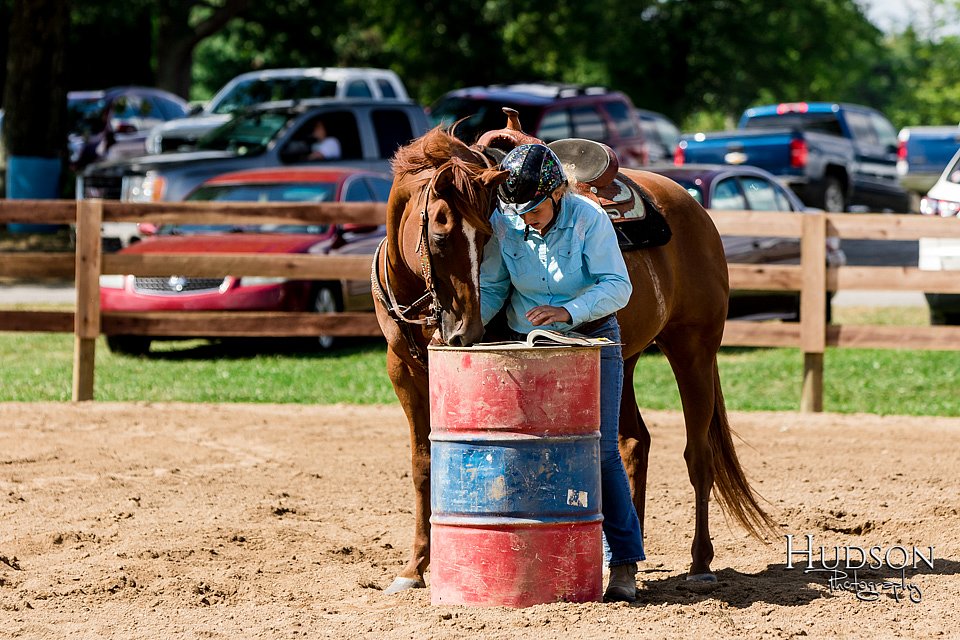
(38, 367)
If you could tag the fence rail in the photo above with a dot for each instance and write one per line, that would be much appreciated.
(811, 278)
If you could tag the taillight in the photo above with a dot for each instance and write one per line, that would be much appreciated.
(679, 157)
(902, 150)
(798, 153)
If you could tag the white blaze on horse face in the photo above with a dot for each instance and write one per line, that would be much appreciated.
(471, 233)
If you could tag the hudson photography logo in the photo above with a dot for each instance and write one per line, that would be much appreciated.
(842, 566)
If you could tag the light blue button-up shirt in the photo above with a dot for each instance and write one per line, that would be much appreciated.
(577, 266)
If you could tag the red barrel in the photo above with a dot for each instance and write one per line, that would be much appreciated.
(515, 475)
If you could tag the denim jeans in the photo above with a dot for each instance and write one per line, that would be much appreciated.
(623, 540)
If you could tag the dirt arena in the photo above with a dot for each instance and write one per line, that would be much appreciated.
(167, 521)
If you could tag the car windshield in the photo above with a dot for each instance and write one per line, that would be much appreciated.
(287, 192)
(84, 115)
(259, 90)
(246, 134)
(482, 116)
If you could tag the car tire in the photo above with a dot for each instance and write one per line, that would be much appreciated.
(833, 199)
(129, 345)
(327, 299)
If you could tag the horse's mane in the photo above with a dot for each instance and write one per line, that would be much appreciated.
(437, 149)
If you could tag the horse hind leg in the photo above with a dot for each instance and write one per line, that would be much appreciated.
(693, 367)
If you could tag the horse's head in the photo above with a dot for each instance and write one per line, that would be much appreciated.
(445, 225)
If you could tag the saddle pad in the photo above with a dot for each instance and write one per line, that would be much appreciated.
(642, 226)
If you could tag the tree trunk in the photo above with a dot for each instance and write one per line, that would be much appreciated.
(177, 38)
(35, 96)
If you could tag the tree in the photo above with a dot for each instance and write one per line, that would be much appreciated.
(35, 101)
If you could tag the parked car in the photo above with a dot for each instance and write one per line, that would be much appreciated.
(943, 254)
(742, 187)
(179, 293)
(661, 136)
(272, 85)
(923, 154)
(549, 112)
(114, 123)
(833, 156)
(277, 134)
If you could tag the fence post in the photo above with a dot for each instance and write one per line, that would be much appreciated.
(813, 309)
(87, 314)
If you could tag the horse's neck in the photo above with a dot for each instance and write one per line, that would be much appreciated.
(402, 259)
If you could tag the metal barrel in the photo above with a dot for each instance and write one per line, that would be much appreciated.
(515, 475)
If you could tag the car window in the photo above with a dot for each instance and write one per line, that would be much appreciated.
(358, 89)
(886, 134)
(761, 194)
(588, 123)
(623, 122)
(357, 191)
(246, 134)
(133, 107)
(170, 109)
(386, 88)
(727, 196)
(392, 128)
(258, 90)
(667, 133)
(480, 116)
(821, 122)
(380, 188)
(861, 128)
(555, 126)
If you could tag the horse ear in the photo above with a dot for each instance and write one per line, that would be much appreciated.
(442, 179)
(493, 177)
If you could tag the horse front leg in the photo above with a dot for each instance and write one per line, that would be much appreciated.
(412, 388)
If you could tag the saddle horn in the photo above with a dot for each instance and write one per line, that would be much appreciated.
(509, 137)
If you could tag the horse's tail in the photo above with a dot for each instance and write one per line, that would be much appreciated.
(731, 487)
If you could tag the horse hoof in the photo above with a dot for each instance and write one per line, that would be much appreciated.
(402, 584)
(701, 577)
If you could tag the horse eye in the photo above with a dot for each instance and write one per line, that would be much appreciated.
(440, 239)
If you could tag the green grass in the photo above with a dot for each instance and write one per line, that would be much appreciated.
(38, 367)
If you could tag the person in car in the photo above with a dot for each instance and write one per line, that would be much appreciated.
(324, 147)
(553, 259)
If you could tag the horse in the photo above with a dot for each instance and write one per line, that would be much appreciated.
(425, 277)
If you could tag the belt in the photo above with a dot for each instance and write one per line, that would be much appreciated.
(592, 325)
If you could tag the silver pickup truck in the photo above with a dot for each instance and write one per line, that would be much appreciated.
(275, 134)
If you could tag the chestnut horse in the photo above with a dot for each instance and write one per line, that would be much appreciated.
(426, 286)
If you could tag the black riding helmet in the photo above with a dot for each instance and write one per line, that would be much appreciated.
(535, 172)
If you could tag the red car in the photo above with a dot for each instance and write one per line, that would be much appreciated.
(180, 293)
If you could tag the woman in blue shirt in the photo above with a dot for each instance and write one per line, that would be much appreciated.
(553, 260)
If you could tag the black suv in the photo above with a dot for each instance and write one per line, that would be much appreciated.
(549, 112)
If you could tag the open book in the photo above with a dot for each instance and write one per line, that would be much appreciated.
(548, 338)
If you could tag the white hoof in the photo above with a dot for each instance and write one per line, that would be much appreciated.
(701, 577)
(402, 584)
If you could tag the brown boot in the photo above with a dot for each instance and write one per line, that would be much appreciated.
(623, 583)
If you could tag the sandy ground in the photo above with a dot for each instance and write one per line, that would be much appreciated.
(263, 521)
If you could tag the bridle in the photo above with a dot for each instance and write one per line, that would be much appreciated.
(401, 313)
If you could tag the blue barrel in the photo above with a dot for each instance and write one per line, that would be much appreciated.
(515, 475)
(33, 178)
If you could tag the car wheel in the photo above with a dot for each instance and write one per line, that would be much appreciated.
(129, 345)
(834, 200)
(327, 299)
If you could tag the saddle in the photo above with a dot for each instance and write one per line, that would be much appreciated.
(595, 170)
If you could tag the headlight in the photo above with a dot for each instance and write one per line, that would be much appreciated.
(255, 281)
(112, 282)
(146, 188)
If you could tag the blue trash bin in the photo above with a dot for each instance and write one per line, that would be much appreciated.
(33, 178)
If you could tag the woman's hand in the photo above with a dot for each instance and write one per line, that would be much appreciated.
(545, 314)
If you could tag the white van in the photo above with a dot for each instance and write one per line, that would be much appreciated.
(271, 85)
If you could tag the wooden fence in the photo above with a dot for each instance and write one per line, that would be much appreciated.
(812, 278)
